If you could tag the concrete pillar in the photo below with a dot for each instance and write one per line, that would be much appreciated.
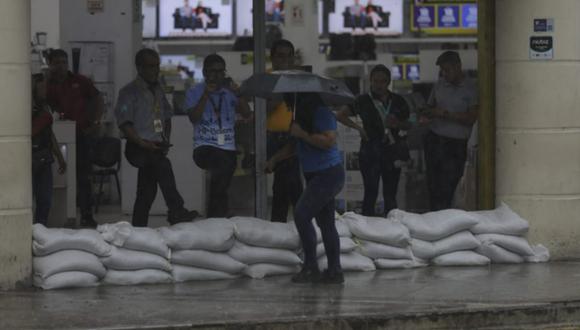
(538, 122)
(15, 178)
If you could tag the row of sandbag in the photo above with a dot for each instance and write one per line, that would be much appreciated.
(120, 254)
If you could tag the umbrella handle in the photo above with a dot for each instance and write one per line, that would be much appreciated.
(294, 108)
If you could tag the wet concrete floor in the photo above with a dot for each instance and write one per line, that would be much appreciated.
(499, 296)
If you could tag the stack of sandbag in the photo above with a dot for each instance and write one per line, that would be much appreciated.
(442, 238)
(200, 250)
(139, 255)
(383, 243)
(64, 258)
(350, 260)
(502, 235)
(267, 248)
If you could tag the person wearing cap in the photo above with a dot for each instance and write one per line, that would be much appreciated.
(450, 114)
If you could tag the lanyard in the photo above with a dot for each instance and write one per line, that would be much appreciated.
(217, 110)
(383, 112)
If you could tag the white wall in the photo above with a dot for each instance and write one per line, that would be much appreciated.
(115, 24)
(538, 123)
(45, 17)
(15, 176)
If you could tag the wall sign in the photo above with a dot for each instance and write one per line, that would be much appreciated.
(95, 6)
(543, 25)
(541, 48)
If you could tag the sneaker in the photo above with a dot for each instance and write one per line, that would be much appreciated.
(182, 215)
(307, 275)
(332, 277)
(88, 222)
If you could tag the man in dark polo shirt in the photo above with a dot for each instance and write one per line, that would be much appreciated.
(452, 110)
(385, 117)
(75, 98)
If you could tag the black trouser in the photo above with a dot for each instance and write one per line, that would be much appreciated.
(445, 159)
(221, 165)
(84, 145)
(154, 169)
(42, 192)
(287, 185)
(377, 162)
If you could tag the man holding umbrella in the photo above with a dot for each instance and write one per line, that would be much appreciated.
(314, 130)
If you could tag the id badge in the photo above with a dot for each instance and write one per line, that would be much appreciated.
(158, 126)
(221, 139)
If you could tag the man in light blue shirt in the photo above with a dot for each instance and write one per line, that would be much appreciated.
(212, 107)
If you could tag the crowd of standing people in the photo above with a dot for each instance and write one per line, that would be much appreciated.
(302, 150)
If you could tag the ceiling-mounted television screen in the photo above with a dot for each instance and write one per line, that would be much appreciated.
(195, 18)
(379, 17)
(149, 12)
(244, 23)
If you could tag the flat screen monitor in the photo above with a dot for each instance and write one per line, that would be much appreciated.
(186, 66)
(149, 12)
(244, 23)
(195, 18)
(444, 18)
(379, 17)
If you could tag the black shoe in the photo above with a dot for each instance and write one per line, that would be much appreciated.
(332, 277)
(88, 222)
(307, 275)
(182, 215)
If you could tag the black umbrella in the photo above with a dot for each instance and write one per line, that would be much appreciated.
(265, 85)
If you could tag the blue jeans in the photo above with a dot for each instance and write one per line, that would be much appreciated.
(375, 163)
(317, 201)
(42, 192)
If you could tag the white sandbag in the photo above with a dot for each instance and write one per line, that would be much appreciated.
(381, 230)
(515, 244)
(383, 263)
(425, 250)
(123, 234)
(214, 234)
(257, 232)
(67, 261)
(461, 258)
(346, 245)
(499, 255)
(136, 277)
(383, 251)
(501, 220)
(124, 259)
(250, 255)
(66, 280)
(259, 271)
(351, 262)
(432, 226)
(49, 240)
(341, 228)
(208, 260)
(186, 273)
(541, 254)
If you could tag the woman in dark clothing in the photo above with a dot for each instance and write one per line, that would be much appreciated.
(44, 146)
(314, 131)
(384, 117)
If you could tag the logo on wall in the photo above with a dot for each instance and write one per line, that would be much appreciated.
(541, 48)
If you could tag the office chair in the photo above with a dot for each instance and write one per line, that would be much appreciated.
(106, 155)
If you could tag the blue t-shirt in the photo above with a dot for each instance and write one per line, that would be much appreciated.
(210, 126)
(315, 159)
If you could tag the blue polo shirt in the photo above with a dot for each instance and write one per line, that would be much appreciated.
(314, 159)
(206, 130)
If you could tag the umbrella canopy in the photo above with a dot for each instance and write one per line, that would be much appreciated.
(264, 85)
